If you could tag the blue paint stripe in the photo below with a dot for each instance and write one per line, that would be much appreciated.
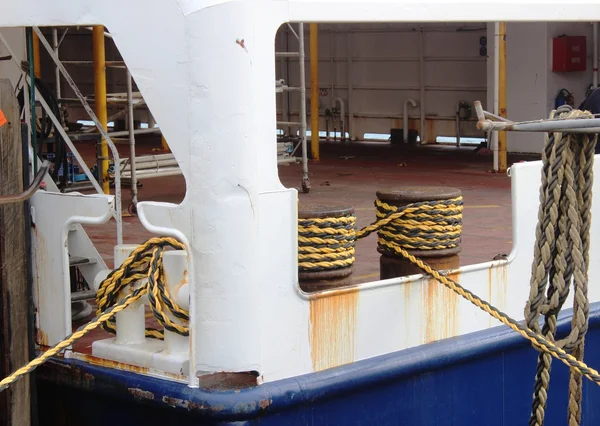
(305, 390)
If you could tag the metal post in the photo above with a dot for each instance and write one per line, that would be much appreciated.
(502, 161)
(56, 70)
(494, 135)
(134, 199)
(37, 67)
(100, 99)
(314, 91)
(305, 178)
(32, 122)
(422, 85)
(595, 55)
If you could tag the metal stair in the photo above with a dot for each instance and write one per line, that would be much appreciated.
(83, 253)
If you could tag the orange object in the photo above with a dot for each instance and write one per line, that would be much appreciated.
(3, 119)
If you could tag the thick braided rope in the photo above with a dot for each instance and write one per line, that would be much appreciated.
(145, 263)
(326, 244)
(538, 341)
(329, 243)
(68, 341)
(426, 225)
(560, 256)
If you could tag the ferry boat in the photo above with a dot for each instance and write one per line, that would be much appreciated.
(240, 339)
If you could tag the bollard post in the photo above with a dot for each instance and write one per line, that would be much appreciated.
(393, 266)
(326, 279)
(131, 322)
(175, 358)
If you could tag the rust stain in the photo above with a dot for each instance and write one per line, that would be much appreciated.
(141, 395)
(183, 281)
(441, 310)
(497, 285)
(122, 366)
(501, 286)
(41, 338)
(332, 329)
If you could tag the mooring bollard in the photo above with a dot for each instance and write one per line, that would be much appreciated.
(437, 245)
(326, 241)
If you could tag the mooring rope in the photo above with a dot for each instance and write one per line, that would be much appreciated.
(561, 256)
(329, 243)
(145, 262)
(326, 244)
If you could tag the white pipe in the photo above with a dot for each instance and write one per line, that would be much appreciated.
(405, 117)
(422, 84)
(342, 114)
(595, 55)
(331, 72)
(303, 140)
(494, 135)
(350, 84)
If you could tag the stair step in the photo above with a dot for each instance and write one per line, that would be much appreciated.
(83, 295)
(78, 261)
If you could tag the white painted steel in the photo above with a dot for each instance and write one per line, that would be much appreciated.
(131, 322)
(54, 215)
(237, 220)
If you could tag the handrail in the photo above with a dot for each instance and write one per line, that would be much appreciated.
(25, 195)
(101, 129)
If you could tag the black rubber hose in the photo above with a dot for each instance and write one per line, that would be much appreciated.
(47, 126)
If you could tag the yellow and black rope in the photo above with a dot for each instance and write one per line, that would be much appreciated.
(326, 244)
(145, 262)
(329, 243)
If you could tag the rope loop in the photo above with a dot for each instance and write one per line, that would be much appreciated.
(144, 268)
(561, 255)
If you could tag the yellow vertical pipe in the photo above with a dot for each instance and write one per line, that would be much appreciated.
(314, 91)
(37, 68)
(163, 144)
(100, 98)
(502, 160)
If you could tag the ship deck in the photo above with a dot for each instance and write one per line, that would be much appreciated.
(350, 175)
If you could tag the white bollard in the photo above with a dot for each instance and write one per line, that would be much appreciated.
(175, 356)
(176, 281)
(131, 323)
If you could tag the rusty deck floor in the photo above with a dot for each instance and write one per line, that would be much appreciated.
(350, 175)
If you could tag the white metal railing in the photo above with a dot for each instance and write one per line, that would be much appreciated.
(101, 129)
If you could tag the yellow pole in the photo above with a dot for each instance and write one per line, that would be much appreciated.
(37, 68)
(502, 160)
(314, 91)
(100, 98)
(163, 143)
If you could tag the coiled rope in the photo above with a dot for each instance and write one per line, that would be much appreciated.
(326, 244)
(145, 262)
(561, 256)
(329, 243)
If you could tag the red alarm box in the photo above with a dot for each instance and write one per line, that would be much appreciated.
(569, 53)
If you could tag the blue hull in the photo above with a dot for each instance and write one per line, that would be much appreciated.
(484, 378)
